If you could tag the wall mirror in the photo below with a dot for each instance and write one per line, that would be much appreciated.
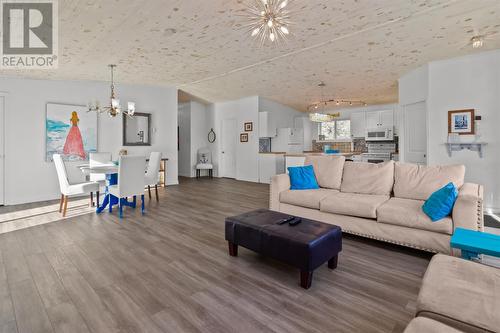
(137, 129)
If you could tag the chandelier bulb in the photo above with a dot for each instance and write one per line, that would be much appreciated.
(270, 23)
(255, 32)
(284, 30)
(283, 4)
(272, 37)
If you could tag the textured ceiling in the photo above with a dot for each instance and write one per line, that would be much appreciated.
(359, 48)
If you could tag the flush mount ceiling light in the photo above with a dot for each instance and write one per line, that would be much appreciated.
(269, 20)
(477, 42)
(114, 107)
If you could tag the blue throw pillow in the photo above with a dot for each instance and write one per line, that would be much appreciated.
(302, 178)
(440, 203)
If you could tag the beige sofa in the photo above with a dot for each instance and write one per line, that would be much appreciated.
(382, 201)
(458, 296)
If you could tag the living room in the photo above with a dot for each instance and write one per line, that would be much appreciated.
(254, 165)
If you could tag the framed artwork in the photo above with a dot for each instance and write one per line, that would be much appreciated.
(244, 137)
(248, 127)
(70, 131)
(461, 122)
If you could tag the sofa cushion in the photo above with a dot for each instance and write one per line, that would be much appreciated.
(412, 181)
(328, 170)
(353, 204)
(305, 198)
(426, 325)
(368, 178)
(302, 178)
(461, 293)
(409, 213)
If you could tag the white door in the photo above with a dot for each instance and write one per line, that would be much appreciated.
(229, 139)
(2, 148)
(387, 118)
(372, 119)
(415, 126)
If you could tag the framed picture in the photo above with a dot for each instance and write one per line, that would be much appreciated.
(248, 127)
(244, 137)
(461, 122)
(70, 131)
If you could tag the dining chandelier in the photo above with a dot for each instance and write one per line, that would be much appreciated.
(114, 108)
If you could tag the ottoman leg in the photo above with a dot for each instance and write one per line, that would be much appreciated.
(306, 279)
(233, 249)
(332, 263)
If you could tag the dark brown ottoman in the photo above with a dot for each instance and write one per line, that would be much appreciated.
(306, 246)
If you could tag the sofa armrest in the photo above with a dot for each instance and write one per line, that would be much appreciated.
(468, 210)
(279, 183)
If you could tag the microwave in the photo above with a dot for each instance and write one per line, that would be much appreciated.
(380, 134)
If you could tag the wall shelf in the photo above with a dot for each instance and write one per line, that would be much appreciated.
(473, 146)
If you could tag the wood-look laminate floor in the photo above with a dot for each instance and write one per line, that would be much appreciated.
(169, 271)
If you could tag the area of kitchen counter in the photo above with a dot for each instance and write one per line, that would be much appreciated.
(320, 154)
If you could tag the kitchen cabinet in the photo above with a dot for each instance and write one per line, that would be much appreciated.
(270, 165)
(375, 119)
(358, 125)
(267, 126)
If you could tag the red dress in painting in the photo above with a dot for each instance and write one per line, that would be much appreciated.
(74, 142)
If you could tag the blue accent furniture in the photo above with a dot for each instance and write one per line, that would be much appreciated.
(472, 243)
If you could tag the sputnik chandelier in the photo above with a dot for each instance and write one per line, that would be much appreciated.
(114, 107)
(269, 20)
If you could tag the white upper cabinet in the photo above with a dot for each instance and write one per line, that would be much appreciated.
(372, 119)
(387, 118)
(384, 118)
(358, 125)
(267, 127)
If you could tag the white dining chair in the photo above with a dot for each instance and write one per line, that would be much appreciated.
(68, 189)
(130, 181)
(153, 173)
(204, 162)
(98, 160)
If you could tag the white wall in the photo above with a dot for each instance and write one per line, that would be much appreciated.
(184, 123)
(471, 82)
(414, 86)
(247, 154)
(28, 177)
(283, 116)
(199, 132)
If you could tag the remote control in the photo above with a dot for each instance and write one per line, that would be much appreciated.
(285, 220)
(295, 221)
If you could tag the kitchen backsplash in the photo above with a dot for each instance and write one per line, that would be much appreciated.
(344, 147)
(264, 145)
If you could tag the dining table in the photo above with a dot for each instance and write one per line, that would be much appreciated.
(111, 172)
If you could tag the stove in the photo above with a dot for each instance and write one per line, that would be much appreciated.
(379, 152)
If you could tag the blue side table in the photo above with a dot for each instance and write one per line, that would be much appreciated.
(473, 243)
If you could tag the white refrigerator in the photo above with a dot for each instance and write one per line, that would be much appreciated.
(288, 140)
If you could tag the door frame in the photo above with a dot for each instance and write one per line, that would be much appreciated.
(222, 169)
(5, 96)
(403, 139)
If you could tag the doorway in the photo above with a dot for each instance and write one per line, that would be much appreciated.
(228, 145)
(415, 130)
